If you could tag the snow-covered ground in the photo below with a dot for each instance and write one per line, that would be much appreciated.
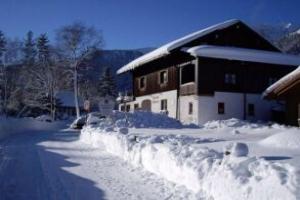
(228, 159)
(52, 163)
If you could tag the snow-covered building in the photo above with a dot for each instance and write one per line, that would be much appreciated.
(66, 104)
(287, 89)
(215, 73)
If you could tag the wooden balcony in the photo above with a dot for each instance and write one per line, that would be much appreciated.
(188, 89)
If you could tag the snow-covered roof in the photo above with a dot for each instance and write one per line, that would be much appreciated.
(282, 83)
(243, 54)
(165, 49)
(66, 99)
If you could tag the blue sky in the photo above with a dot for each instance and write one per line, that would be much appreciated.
(128, 24)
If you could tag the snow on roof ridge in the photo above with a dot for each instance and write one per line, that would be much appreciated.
(244, 54)
(281, 82)
(165, 49)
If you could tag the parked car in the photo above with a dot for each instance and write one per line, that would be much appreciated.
(94, 118)
(44, 118)
(79, 123)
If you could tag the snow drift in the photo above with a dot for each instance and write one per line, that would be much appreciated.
(208, 173)
(289, 139)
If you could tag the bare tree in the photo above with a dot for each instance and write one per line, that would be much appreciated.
(78, 42)
(3, 72)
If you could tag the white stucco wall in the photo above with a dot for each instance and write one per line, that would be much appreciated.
(184, 115)
(234, 107)
(205, 108)
(155, 99)
(263, 108)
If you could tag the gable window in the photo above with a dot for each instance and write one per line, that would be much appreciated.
(142, 82)
(251, 109)
(272, 80)
(230, 78)
(221, 108)
(191, 108)
(164, 104)
(188, 74)
(163, 77)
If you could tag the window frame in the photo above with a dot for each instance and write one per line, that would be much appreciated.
(159, 77)
(184, 69)
(251, 112)
(122, 108)
(230, 78)
(136, 106)
(145, 82)
(221, 108)
(191, 108)
(127, 108)
(163, 107)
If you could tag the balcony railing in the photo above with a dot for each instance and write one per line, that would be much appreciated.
(188, 89)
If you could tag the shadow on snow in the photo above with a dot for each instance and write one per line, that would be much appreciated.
(23, 174)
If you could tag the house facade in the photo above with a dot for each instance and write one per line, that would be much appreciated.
(215, 73)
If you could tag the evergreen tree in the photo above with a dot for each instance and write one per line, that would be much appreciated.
(107, 84)
(41, 81)
(2, 46)
(43, 49)
(29, 49)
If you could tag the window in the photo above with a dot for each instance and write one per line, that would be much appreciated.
(106, 101)
(142, 82)
(230, 78)
(221, 108)
(251, 109)
(164, 104)
(163, 77)
(272, 80)
(127, 108)
(188, 74)
(190, 108)
(136, 106)
(122, 108)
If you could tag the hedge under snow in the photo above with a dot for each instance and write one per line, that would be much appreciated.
(204, 171)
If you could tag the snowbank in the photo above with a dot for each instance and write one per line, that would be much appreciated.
(205, 171)
(289, 139)
(9, 126)
(142, 119)
(237, 123)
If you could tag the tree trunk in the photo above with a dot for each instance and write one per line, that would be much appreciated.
(76, 92)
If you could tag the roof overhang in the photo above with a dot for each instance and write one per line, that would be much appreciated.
(243, 54)
(279, 88)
